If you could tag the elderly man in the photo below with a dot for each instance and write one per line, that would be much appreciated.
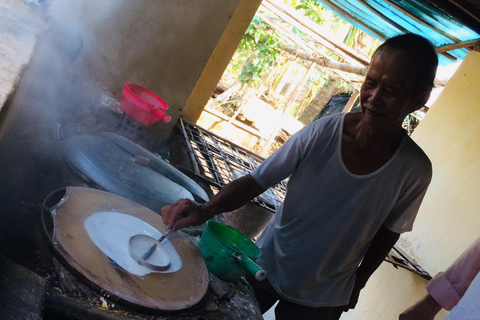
(356, 182)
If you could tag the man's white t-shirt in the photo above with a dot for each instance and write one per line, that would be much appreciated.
(318, 237)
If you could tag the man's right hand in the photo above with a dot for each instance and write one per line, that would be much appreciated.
(184, 213)
(233, 195)
(425, 309)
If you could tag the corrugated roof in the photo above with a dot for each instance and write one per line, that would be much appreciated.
(383, 19)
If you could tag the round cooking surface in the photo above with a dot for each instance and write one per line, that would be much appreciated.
(175, 290)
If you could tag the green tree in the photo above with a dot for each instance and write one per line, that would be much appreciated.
(258, 51)
(311, 9)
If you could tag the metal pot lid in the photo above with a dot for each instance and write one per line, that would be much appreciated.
(159, 164)
(115, 169)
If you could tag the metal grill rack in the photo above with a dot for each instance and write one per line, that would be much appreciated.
(219, 161)
(400, 259)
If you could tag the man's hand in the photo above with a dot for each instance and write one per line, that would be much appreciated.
(378, 250)
(184, 213)
(232, 196)
(354, 296)
(425, 309)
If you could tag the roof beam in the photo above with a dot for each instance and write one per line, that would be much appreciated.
(342, 66)
(457, 45)
(453, 10)
(380, 35)
(399, 27)
(419, 20)
(448, 56)
(467, 8)
(384, 17)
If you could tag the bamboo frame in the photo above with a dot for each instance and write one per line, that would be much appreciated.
(419, 20)
(384, 17)
(399, 27)
(458, 12)
(306, 25)
(329, 64)
(468, 8)
(348, 107)
(457, 45)
(380, 35)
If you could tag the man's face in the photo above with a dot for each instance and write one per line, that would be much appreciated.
(388, 94)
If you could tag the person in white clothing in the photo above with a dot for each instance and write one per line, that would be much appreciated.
(356, 181)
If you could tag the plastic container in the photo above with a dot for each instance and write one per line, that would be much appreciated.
(228, 253)
(143, 105)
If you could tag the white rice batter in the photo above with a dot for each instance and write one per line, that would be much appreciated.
(111, 232)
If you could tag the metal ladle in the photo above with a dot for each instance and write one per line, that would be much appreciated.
(150, 252)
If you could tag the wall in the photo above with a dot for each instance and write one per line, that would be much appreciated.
(220, 59)
(448, 220)
(19, 27)
(159, 44)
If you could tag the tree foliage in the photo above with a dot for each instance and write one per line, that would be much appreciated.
(311, 9)
(259, 49)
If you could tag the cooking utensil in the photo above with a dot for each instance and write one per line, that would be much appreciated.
(143, 105)
(142, 248)
(149, 252)
(157, 163)
(159, 241)
(228, 253)
(145, 255)
(109, 164)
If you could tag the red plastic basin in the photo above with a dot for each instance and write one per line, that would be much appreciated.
(143, 105)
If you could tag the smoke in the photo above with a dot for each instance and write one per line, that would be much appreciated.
(91, 48)
(56, 94)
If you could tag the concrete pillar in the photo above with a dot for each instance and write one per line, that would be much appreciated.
(221, 56)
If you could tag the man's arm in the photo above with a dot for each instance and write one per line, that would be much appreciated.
(232, 196)
(237, 193)
(447, 288)
(425, 309)
(381, 245)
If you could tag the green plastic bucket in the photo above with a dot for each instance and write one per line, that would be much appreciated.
(228, 253)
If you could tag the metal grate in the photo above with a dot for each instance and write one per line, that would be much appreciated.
(219, 161)
(400, 259)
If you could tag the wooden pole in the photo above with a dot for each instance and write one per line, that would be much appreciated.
(457, 45)
(420, 20)
(379, 35)
(306, 25)
(348, 107)
(326, 63)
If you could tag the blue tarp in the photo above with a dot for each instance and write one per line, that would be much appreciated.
(382, 20)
